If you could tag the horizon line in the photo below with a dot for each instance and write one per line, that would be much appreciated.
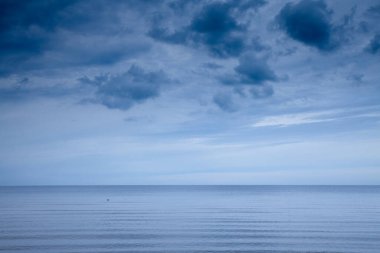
(176, 185)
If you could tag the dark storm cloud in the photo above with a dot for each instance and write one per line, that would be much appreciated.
(69, 36)
(215, 28)
(59, 33)
(25, 28)
(123, 91)
(374, 45)
(309, 22)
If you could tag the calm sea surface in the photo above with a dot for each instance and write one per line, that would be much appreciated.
(190, 219)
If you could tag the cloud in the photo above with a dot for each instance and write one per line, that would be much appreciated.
(374, 11)
(25, 28)
(25, 90)
(250, 71)
(163, 34)
(374, 45)
(262, 91)
(97, 50)
(308, 22)
(258, 46)
(211, 65)
(215, 28)
(244, 5)
(293, 119)
(302, 118)
(54, 34)
(254, 70)
(125, 90)
(355, 77)
(224, 102)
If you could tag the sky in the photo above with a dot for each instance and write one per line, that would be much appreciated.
(189, 92)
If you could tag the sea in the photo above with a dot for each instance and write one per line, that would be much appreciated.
(222, 219)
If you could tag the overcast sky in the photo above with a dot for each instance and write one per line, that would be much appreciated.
(189, 92)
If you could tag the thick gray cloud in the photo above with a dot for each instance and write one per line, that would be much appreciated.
(54, 34)
(25, 29)
(123, 91)
(215, 28)
(309, 22)
(76, 38)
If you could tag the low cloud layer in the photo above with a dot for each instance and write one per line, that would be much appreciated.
(227, 52)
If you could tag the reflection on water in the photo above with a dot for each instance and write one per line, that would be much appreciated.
(190, 219)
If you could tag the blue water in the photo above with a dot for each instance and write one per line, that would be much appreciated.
(190, 219)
